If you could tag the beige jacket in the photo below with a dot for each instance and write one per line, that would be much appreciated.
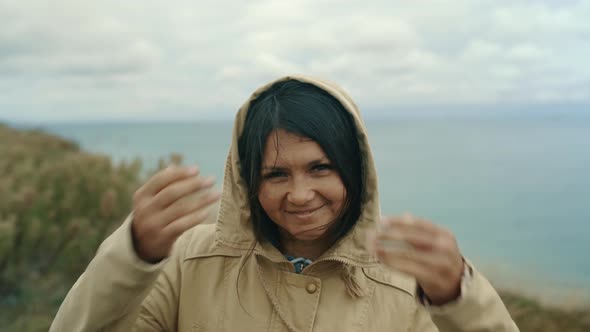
(211, 283)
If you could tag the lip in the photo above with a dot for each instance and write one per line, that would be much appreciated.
(304, 213)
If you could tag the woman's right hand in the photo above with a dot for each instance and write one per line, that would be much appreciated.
(168, 204)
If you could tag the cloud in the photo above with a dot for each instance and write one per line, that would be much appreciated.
(74, 42)
(105, 60)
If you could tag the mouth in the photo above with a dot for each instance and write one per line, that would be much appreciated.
(304, 213)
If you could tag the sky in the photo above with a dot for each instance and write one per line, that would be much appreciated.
(71, 60)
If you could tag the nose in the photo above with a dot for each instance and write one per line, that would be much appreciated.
(301, 192)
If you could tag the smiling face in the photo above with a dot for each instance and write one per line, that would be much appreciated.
(300, 190)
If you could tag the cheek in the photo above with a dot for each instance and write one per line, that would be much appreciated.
(335, 191)
(269, 198)
(341, 198)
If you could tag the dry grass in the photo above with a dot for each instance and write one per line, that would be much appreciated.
(529, 315)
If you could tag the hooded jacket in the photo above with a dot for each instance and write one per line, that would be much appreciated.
(219, 278)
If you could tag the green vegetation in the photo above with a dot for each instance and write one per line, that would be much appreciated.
(58, 203)
(56, 206)
(530, 316)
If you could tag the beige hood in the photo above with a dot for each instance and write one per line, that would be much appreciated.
(233, 221)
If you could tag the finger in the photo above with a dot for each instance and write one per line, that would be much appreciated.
(394, 256)
(427, 236)
(179, 226)
(165, 177)
(406, 217)
(180, 189)
(385, 222)
(376, 242)
(389, 243)
(440, 267)
(188, 205)
(426, 267)
(406, 238)
(388, 222)
(438, 275)
(411, 222)
(443, 244)
(406, 261)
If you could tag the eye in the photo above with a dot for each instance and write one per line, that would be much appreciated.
(321, 167)
(274, 175)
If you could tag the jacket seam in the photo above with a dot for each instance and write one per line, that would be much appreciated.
(217, 250)
(209, 255)
(365, 311)
(221, 308)
(387, 284)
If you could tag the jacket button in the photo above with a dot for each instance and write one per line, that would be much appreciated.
(311, 288)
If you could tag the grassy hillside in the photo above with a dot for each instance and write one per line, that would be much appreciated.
(57, 203)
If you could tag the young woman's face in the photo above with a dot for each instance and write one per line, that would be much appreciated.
(300, 190)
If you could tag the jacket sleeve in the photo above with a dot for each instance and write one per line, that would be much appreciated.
(120, 292)
(479, 308)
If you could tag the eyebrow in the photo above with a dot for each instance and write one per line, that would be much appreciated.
(314, 162)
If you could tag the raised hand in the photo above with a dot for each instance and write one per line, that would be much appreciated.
(424, 250)
(168, 204)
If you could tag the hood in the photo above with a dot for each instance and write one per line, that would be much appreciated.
(233, 227)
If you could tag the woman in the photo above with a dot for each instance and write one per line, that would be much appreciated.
(293, 248)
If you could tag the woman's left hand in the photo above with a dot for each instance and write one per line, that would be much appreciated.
(424, 250)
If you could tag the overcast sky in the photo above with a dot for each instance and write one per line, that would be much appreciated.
(190, 59)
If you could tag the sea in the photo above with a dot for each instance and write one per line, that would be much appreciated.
(515, 190)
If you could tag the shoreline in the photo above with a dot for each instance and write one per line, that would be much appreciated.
(547, 292)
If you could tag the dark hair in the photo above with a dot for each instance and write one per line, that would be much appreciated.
(308, 111)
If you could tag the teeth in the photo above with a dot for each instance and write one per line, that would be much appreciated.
(304, 213)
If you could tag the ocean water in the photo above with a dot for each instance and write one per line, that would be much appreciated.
(514, 190)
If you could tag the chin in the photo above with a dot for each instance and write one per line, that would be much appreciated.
(308, 235)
